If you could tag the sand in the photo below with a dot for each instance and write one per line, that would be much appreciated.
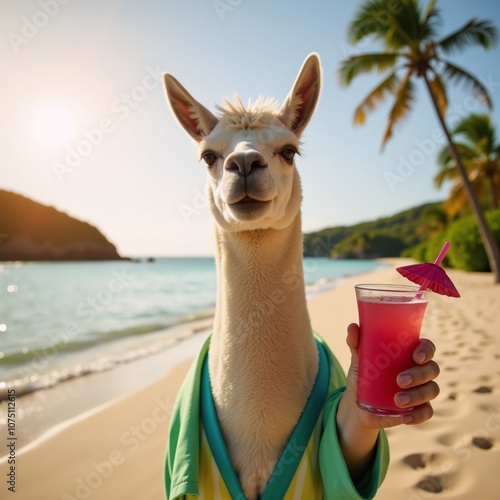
(116, 451)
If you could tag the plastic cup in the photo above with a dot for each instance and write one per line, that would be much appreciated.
(390, 319)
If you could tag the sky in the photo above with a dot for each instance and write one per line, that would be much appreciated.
(86, 127)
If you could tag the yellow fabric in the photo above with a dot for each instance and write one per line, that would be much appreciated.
(306, 482)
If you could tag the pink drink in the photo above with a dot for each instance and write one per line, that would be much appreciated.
(390, 318)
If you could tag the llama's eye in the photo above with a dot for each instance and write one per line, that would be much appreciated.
(209, 158)
(288, 154)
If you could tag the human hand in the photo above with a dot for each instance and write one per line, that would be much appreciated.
(417, 385)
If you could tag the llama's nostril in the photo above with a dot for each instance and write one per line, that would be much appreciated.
(257, 164)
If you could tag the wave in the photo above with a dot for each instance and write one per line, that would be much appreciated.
(46, 366)
(322, 285)
(27, 356)
(34, 371)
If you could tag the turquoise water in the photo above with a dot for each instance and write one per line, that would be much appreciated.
(54, 315)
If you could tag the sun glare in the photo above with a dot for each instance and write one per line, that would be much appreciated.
(54, 126)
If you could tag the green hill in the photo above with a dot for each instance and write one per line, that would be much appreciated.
(32, 231)
(384, 237)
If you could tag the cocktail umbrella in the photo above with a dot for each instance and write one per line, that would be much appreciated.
(431, 275)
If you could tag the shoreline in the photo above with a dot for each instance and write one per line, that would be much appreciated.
(49, 399)
(117, 449)
(55, 407)
(76, 350)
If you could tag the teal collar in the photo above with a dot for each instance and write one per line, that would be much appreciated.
(289, 461)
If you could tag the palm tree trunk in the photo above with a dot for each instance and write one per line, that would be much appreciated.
(494, 198)
(489, 242)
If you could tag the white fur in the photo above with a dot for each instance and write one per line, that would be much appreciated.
(262, 358)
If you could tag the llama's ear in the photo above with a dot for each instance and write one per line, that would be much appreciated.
(197, 120)
(299, 105)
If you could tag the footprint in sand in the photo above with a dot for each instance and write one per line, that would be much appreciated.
(484, 389)
(432, 484)
(484, 343)
(483, 443)
(452, 439)
(457, 441)
(470, 358)
(448, 408)
(489, 408)
(442, 468)
(442, 461)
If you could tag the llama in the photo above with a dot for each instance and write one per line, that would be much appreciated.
(263, 357)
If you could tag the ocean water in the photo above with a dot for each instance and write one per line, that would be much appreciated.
(68, 319)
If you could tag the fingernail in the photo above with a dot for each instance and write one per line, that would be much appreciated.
(407, 419)
(405, 380)
(403, 399)
(420, 357)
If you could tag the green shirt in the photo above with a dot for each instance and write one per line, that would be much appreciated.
(187, 452)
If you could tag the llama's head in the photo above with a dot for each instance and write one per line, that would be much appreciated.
(249, 152)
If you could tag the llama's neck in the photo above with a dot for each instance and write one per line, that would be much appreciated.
(263, 359)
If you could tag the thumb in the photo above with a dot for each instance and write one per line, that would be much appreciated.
(353, 343)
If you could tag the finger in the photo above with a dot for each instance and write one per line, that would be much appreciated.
(424, 352)
(418, 375)
(353, 336)
(417, 395)
(418, 415)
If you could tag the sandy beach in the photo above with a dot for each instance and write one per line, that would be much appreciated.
(115, 450)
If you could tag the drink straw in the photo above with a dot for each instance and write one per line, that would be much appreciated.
(442, 253)
(437, 262)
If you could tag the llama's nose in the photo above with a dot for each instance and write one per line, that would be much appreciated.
(245, 162)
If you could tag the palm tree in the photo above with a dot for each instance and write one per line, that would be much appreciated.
(475, 138)
(433, 221)
(412, 49)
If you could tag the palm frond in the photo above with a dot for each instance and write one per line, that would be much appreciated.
(454, 73)
(386, 21)
(370, 20)
(404, 26)
(439, 92)
(475, 32)
(406, 20)
(405, 96)
(445, 160)
(445, 174)
(431, 21)
(365, 63)
(478, 131)
(444, 157)
(457, 199)
(375, 97)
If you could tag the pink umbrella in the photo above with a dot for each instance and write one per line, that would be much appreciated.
(431, 276)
